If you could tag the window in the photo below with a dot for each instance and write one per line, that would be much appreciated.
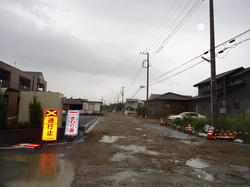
(166, 105)
(194, 114)
(184, 107)
(207, 87)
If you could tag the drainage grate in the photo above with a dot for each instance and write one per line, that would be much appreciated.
(230, 178)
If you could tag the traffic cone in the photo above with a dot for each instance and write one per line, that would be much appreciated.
(161, 122)
(189, 129)
(210, 134)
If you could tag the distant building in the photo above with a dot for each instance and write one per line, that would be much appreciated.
(232, 93)
(13, 81)
(133, 104)
(169, 103)
(85, 106)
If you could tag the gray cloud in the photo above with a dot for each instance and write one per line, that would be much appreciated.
(96, 43)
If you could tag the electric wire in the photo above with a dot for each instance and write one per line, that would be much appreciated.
(223, 43)
(178, 73)
(155, 37)
(178, 27)
(134, 73)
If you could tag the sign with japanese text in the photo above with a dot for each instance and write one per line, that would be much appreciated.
(50, 124)
(71, 128)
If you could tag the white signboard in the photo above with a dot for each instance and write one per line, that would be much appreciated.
(85, 106)
(71, 128)
(206, 126)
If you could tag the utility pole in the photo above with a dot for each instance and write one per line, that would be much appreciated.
(147, 78)
(122, 93)
(213, 67)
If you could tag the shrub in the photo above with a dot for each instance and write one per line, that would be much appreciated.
(12, 122)
(199, 123)
(35, 113)
(3, 112)
(24, 125)
(141, 111)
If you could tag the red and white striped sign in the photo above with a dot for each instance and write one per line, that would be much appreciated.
(27, 145)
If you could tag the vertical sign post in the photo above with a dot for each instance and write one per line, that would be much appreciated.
(71, 128)
(50, 124)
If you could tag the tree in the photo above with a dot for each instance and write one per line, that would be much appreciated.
(141, 110)
(35, 113)
(3, 112)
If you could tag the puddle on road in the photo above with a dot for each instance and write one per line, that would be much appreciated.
(197, 163)
(41, 170)
(138, 149)
(110, 139)
(121, 156)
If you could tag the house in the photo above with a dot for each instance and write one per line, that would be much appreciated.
(169, 103)
(13, 81)
(85, 106)
(133, 104)
(232, 93)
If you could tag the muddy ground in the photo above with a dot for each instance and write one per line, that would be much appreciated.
(127, 151)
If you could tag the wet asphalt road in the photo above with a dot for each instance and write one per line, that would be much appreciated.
(42, 166)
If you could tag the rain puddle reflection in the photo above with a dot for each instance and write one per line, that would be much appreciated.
(138, 149)
(40, 170)
(197, 163)
(121, 156)
(110, 139)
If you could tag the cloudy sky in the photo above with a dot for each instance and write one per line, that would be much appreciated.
(91, 48)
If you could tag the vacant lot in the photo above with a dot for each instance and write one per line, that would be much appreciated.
(126, 151)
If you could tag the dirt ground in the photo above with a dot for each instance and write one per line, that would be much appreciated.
(127, 151)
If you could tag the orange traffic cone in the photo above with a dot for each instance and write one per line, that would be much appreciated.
(189, 129)
(161, 122)
(210, 134)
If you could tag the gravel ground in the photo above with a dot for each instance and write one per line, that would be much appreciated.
(127, 151)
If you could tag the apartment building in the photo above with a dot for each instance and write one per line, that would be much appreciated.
(13, 81)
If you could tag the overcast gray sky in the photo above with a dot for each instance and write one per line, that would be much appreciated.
(91, 48)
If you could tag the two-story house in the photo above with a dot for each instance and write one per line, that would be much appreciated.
(233, 96)
(133, 104)
(13, 81)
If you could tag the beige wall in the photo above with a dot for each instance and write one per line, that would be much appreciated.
(49, 100)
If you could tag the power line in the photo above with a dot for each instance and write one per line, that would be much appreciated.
(223, 43)
(155, 35)
(181, 23)
(177, 73)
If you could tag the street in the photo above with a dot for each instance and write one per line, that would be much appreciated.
(127, 151)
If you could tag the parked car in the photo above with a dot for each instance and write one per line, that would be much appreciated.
(186, 114)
